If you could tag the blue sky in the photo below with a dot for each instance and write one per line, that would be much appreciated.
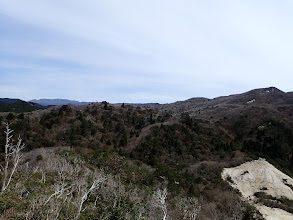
(143, 51)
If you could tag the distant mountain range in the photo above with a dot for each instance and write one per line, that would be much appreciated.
(46, 102)
(19, 106)
(199, 107)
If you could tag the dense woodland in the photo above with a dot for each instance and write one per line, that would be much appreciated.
(17, 106)
(104, 161)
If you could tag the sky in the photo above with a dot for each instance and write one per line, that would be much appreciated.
(143, 51)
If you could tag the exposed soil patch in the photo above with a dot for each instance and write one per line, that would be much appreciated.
(261, 183)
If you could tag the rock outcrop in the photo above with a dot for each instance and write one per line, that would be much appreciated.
(259, 176)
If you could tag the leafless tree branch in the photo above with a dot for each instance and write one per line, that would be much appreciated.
(12, 156)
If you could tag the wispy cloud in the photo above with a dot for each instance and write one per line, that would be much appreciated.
(143, 51)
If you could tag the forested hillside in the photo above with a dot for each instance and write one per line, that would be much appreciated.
(17, 106)
(104, 161)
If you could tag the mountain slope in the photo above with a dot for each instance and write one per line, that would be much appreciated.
(8, 101)
(17, 106)
(180, 152)
(214, 109)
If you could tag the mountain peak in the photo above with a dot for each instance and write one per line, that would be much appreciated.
(271, 89)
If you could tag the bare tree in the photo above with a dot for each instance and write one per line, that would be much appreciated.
(59, 190)
(159, 201)
(12, 157)
(85, 192)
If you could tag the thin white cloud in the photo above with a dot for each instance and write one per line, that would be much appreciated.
(188, 48)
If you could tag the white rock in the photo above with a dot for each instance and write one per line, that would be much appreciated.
(251, 101)
(261, 176)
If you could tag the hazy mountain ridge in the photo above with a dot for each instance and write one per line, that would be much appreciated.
(46, 102)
